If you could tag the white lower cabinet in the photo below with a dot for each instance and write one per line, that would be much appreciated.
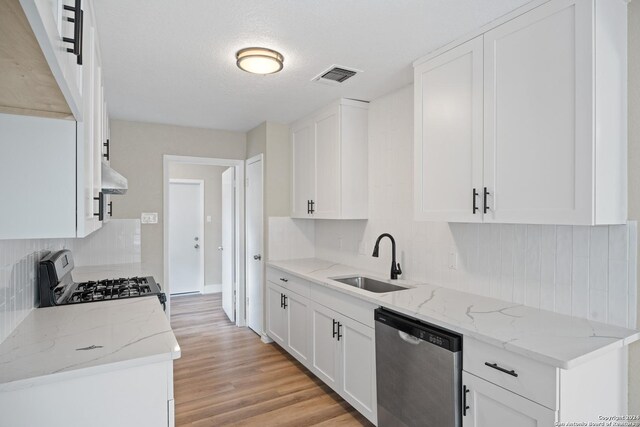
(276, 320)
(137, 396)
(336, 348)
(326, 358)
(492, 406)
(298, 317)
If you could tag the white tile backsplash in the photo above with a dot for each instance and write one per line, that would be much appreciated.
(290, 238)
(18, 275)
(117, 242)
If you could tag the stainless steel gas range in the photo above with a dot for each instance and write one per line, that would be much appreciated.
(58, 288)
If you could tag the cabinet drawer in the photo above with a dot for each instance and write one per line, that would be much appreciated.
(288, 281)
(534, 380)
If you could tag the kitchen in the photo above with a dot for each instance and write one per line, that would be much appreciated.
(516, 263)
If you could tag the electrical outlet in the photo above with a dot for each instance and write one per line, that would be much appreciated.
(149, 217)
(453, 261)
(208, 218)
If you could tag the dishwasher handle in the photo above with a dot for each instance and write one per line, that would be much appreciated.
(409, 338)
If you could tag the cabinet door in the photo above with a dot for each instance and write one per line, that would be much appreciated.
(303, 169)
(448, 135)
(299, 326)
(327, 154)
(326, 360)
(538, 116)
(276, 314)
(358, 364)
(490, 406)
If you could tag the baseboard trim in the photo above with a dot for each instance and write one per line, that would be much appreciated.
(212, 289)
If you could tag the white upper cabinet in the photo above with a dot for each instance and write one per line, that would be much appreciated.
(330, 163)
(552, 145)
(448, 139)
(303, 169)
(61, 41)
(50, 151)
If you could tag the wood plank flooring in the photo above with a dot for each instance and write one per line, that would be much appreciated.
(227, 376)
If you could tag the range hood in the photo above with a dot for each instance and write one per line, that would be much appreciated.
(112, 181)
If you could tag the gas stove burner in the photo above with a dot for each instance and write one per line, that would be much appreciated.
(58, 288)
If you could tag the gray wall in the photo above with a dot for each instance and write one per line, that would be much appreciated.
(634, 177)
(137, 151)
(212, 176)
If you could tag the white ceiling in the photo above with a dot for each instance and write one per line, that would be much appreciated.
(173, 61)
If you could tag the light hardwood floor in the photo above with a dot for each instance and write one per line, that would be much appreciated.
(227, 376)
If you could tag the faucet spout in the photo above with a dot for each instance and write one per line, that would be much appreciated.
(395, 267)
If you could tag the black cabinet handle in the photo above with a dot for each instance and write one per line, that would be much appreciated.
(465, 390)
(501, 369)
(107, 145)
(486, 194)
(475, 204)
(110, 209)
(334, 328)
(78, 24)
(313, 209)
(308, 207)
(281, 300)
(100, 200)
(339, 331)
(285, 302)
(284, 280)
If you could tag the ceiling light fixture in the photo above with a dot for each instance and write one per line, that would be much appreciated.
(259, 60)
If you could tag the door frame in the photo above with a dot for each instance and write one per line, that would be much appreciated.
(200, 184)
(240, 281)
(263, 333)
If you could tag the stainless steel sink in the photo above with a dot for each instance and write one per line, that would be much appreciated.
(369, 284)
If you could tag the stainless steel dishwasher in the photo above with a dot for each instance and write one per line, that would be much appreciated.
(418, 368)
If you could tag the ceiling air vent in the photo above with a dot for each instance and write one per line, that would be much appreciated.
(335, 75)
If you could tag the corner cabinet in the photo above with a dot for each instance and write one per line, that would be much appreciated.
(57, 162)
(337, 344)
(330, 163)
(526, 123)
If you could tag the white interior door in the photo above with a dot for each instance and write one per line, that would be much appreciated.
(186, 232)
(254, 261)
(227, 248)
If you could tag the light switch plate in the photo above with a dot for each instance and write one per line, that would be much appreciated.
(208, 218)
(149, 217)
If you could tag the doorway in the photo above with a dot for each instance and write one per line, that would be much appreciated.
(186, 234)
(220, 247)
(255, 249)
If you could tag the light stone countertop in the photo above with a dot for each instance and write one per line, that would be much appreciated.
(555, 339)
(55, 343)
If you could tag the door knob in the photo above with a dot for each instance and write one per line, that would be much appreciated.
(196, 239)
(196, 246)
(257, 257)
(220, 248)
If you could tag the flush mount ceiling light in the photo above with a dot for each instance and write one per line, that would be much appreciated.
(259, 60)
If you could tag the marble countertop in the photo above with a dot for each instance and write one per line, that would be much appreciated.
(555, 339)
(57, 343)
